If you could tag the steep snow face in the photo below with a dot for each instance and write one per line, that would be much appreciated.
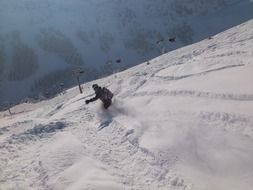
(182, 121)
(43, 43)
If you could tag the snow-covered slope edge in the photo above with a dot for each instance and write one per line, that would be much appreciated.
(43, 44)
(182, 121)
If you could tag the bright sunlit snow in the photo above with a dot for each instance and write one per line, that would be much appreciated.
(182, 121)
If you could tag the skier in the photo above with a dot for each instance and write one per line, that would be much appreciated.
(103, 94)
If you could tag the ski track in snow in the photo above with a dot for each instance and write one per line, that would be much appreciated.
(169, 127)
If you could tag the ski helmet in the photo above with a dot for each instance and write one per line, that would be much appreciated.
(94, 86)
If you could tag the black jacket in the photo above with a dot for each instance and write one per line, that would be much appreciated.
(103, 94)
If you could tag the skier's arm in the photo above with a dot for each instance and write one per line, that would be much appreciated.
(92, 99)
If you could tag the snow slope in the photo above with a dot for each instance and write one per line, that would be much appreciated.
(182, 121)
(43, 43)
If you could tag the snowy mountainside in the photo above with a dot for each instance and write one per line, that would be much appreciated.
(44, 43)
(181, 121)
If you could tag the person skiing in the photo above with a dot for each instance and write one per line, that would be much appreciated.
(104, 94)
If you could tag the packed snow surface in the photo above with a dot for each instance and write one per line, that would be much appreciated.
(181, 121)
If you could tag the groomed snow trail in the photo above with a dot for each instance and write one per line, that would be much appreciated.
(184, 121)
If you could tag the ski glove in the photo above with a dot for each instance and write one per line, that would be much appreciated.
(87, 101)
